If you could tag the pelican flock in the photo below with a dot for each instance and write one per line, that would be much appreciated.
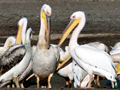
(78, 63)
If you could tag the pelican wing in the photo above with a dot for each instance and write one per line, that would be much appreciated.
(11, 57)
(94, 57)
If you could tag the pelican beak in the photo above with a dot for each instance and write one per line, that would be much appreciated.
(64, 63)
(9, 45)
(48, 32)
(47, 27)
(69, 28)
(19, 38)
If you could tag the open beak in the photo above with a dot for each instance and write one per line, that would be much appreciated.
(64, 63)
(19, 38)
(69, 28)
(47, 27)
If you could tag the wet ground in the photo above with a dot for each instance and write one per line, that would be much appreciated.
(103, 24)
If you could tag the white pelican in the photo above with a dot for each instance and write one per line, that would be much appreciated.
(68, 70)
(15, 60)
(79, 75)
(45, 58)
(12, 40)
(99, 45)
(9, 42)
(92, 60)
(117, 45)
(24, 75)
(22, 30)
(22, 23)
(115, 54)
(65, 72)
(63, 54)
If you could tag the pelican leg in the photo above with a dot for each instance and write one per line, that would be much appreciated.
(67, 83)
(30, 76)
(21, 84)
(8, 86)
(49, 79)
(13, 86)
(89, 83)
(70, 83)
(98, 81)
(112, 84)
(16, 80)
(38, 80)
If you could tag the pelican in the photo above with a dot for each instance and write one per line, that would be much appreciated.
(11, 40)
(15, 60)
(8, 43)
(65, 72)
(79, 75)
(24, 75)
(99, 45)
(22, 23)
(45, 58)
(73, 69)
(91, 59)
(117, 45)
(63, 54)
(22, 29)
(115, 54)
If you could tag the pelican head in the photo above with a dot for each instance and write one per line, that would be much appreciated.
(46, 12)
(46, 9)
(76, 18)
(22, 29)
(9, 41)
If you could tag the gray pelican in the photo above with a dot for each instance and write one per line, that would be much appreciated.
(45, 58)
(87, 57)
(8, 43)
(15, 60)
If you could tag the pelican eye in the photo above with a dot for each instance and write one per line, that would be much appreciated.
(110, 76)
(73, 17)
(48, 13)
(75, 64)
